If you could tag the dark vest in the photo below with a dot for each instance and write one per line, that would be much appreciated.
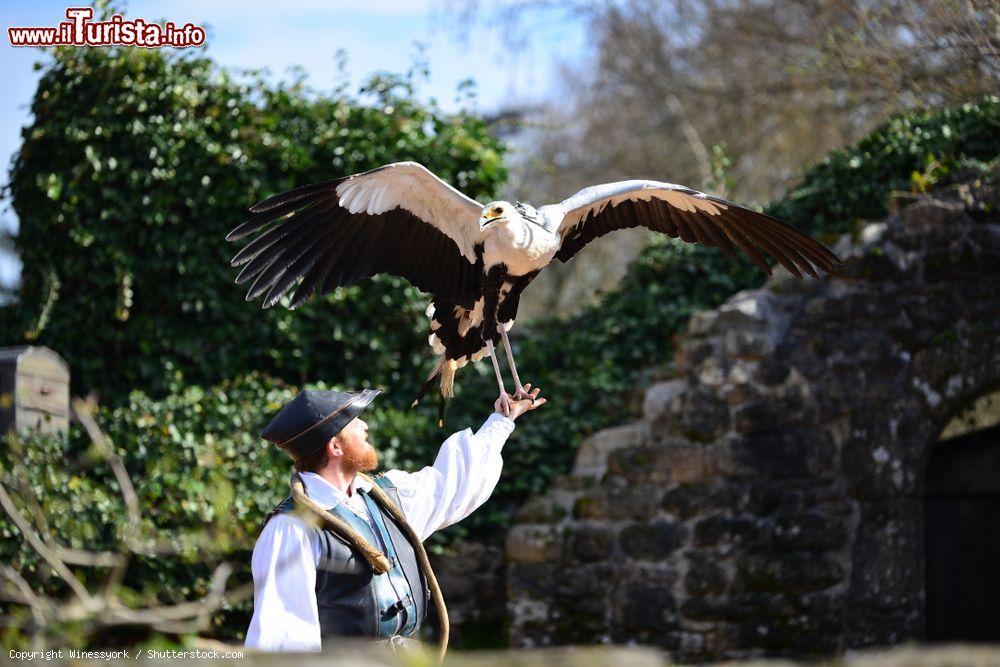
(354, 601)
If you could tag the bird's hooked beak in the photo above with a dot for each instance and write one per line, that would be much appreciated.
(490, 215)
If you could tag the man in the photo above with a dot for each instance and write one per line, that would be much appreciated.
(310, 583)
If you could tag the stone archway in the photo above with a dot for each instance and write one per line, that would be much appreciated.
(770, 499)
(961, 532)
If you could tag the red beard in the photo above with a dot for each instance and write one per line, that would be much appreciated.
(360, 458)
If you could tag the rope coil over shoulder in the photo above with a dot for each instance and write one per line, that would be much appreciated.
(380, 564)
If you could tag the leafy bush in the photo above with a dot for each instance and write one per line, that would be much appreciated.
(916, 149)
(203, 482)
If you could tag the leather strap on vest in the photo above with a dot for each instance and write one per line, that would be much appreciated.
(425, 564)
(375, 558)
(380, 564)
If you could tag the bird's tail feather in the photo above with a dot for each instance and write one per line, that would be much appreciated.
(426, 386)
(442, 408)
(445, 368)
(447, 389)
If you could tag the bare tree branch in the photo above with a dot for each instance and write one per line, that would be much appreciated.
(82, 410)
(47, 554)
(106, 610)
(39, 607)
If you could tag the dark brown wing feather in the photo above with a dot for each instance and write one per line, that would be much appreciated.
(306, 237)
(757, 234)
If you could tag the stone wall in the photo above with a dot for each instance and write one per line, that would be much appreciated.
(768, 502)
(472, 577)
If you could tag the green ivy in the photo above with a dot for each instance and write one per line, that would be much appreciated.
(911, 151)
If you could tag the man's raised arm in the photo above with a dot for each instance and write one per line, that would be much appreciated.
(464, 474)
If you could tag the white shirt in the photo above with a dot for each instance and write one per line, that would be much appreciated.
(464, 474)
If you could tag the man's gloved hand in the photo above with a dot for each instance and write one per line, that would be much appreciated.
(518, 408)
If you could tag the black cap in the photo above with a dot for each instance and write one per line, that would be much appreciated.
(309, 420)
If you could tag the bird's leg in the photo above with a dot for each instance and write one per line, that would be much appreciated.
(504, 401)
(519, 391)
(491, 303)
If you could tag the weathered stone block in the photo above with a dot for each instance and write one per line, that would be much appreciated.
(588, 544)
(765, 605)
(873, 264)
(691, 353)
(671, 462)
(808, 454)
(885, 574)
(531, 582)
(791, 636)
(797, 405)
(691, 498)
(927, 216)
(878, 461)
(809, 530)
(702, 322)
(652, 541)
(572, 483)
(704, 608)
(685, 500)
(648, 608)
(540, 509)
(772, 370)
(639, 462)
(534, 544)
(659, 397)
(727, 531)
(617, 502)
(752, 310)
(705, 577)
(656, 405)
(751, 344)
(701, 416)
(756, 416)
(472, 576)
(764, 497)
(798, 572)
(591, 458)
(986, 236)
(585, 590)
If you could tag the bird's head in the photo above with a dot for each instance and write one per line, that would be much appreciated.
(503, 211)
(494, 212)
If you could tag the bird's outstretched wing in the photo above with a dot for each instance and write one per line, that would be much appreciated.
(399, 219)
(693, 216)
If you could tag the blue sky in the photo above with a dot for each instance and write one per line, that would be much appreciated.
(377, 35)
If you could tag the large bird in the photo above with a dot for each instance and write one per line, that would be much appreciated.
(476, 260)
